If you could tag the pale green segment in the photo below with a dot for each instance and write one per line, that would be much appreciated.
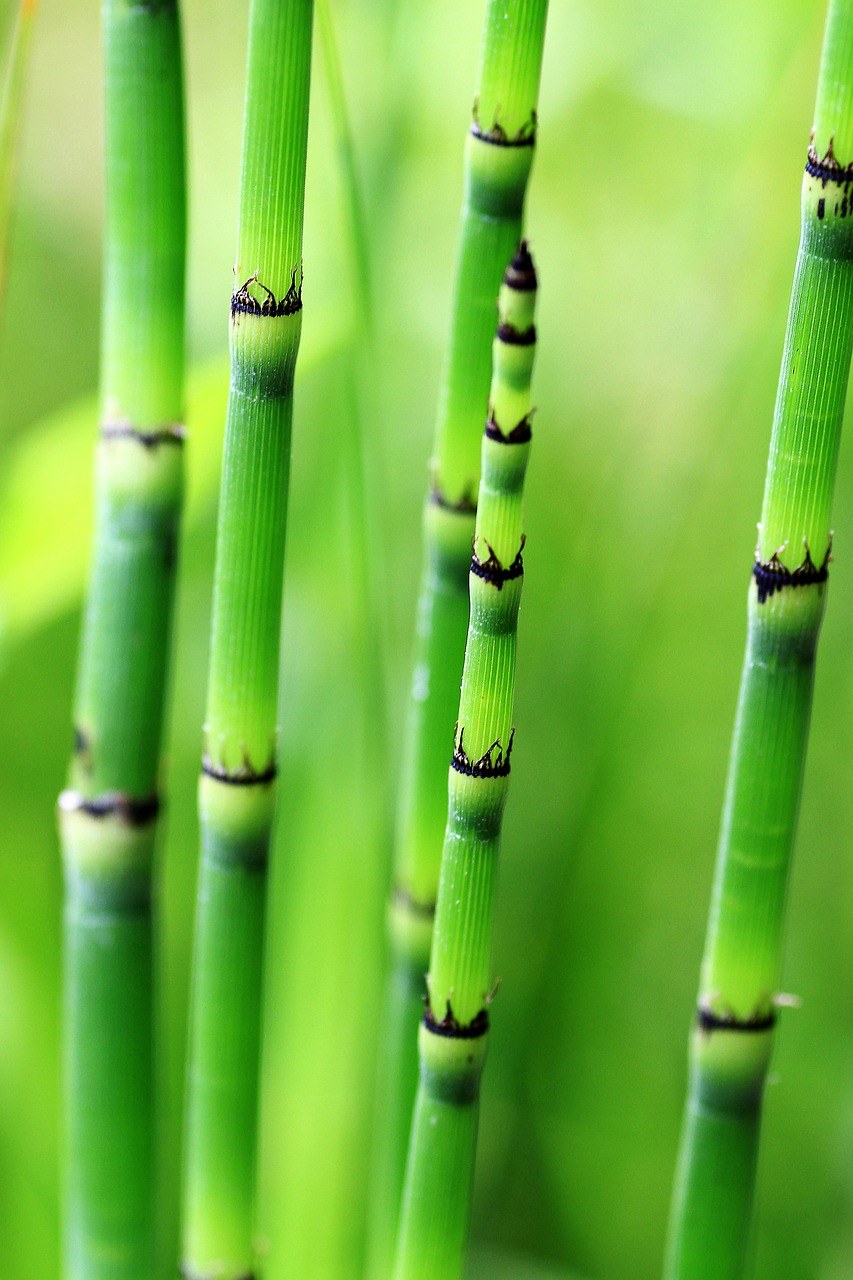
(511, 63)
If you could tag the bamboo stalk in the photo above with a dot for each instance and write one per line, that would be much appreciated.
(108, 814)
(732, 1040)
(237, 789)
(454, 1030)
(498, 158)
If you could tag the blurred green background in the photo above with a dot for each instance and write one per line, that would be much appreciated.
(663, 214)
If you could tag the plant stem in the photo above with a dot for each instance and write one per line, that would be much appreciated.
(454, 1030)
(732, 1039)
(237, 790)
(498, 158)
(108, 814)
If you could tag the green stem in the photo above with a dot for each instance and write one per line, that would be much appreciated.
(498, 158)
(108, 814)
(237, 791)
(732, 1040)
(453, 1034)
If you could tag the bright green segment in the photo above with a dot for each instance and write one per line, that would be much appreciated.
(511, 64)
(125, 649)
(717, 1162)
(109, 1178)
(452, 1042)
(143, 314)
(496, 182)
(711, 1212)
(813, 383)
(223, 1079)
(833, 117)
(237, 792)
(275, 145)
(741, 966)
(440, 1172)
(243, 682)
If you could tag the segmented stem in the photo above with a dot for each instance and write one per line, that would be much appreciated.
(237, 790)
(453, 1034)
(108, 814)
(732, 1039)
(498, 158)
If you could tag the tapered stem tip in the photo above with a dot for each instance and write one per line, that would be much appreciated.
(521, 273)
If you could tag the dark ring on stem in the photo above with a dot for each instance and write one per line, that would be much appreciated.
(406, 900)
(174, 433)
(707, 1020)
(288, 305)
(487, 766)
(464, 506)
(771, 575)
(245, 776)
(491, 570)
(828, 169)
(187, 1274)
(453, 1030)
(136, 811)
(521, 433)
(516, 337)
(497, 136)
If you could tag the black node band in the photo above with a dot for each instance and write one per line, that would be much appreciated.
(172, 434)
(135, 811)
(513, 337)
(243, 777)
(707, 1020)
(491, 570)
(453, 1030)
(415, 906)
(521, 433)
(494, 763)
(772, 576)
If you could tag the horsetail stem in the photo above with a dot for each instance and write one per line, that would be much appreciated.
(236, 796)
(732, 1040)
(453, 1034)
(498, 158)
(11, 115)
(107, 817)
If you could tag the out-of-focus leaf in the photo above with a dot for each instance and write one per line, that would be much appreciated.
(11, 113)
(46, 489)
(491, 1264)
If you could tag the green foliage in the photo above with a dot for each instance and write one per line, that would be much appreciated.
(663, 214)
